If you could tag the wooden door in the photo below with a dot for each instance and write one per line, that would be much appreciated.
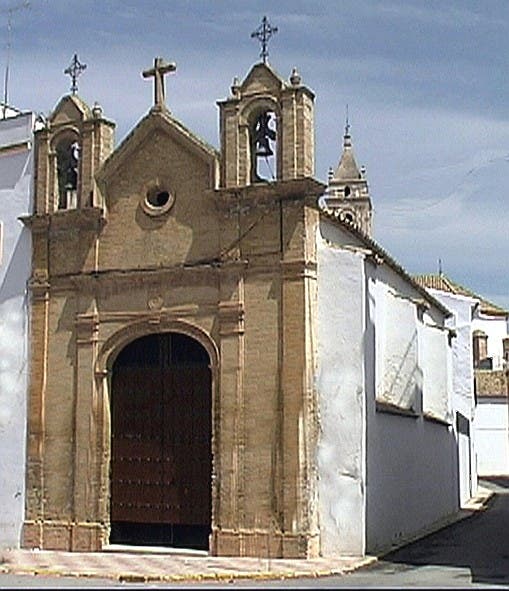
(161, 458)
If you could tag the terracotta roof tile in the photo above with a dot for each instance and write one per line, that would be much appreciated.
(441, 282)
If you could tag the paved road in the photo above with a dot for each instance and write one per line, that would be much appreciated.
(471, 553)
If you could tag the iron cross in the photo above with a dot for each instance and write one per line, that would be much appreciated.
(263, 33)
(75, 70)
(158, 72)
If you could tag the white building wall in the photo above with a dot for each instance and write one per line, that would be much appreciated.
(412, 476)
(15, 200)
(463, 400)
(492, 436)
(383, 477)
(340, 387)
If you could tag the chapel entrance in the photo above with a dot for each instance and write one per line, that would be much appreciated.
(161, 430)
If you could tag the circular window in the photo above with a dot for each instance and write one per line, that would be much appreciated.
(157, 201)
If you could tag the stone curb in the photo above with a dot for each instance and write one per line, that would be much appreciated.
(206, 576)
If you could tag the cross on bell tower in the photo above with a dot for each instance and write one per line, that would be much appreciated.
(75, 70)
(160, 69)
(263, 33)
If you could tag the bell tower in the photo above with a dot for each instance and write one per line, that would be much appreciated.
(266, 129)
(71, 145)
(348, 192)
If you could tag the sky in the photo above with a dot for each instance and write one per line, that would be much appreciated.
(426, 83)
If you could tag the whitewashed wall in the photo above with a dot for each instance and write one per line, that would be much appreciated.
(340, 384)
(412, 475)
(383, 477)
(463, 401)
(492, 436)
(15, 200)
(435, 359)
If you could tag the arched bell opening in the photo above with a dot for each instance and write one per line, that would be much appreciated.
(264, 138)
(161, 443)
(68, 153)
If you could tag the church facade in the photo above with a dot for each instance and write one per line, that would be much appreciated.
(215, 360)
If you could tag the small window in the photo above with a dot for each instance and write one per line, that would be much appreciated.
(157, 200)
(347, 191)
(480, 349)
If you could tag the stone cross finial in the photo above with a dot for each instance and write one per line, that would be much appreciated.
(161, 67)
(263, 33)
(74, 70)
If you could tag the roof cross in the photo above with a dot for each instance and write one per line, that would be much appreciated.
(74, 70)
(263, 33)
(161, 67)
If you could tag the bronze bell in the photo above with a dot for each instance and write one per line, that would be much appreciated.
(263, 148)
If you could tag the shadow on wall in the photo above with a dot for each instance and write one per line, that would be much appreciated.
(478, 543)
(18, 271)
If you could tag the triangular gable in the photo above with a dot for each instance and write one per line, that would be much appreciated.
(163, 121)
(262, 79)
(70, 108)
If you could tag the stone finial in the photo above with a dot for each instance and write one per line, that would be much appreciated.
(295, 77)
(235, 87)
(330, 174)
(97, 111)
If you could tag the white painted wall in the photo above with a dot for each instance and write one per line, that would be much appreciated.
(412, 475)
(399, 379)
(492, 436)
(382, 477)
(435, 361)
(463, 386)
(340, 386)
(15, 200)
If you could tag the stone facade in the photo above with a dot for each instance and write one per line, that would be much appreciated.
(222, 259)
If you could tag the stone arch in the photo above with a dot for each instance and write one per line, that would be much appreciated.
(116, 342)
(66, 168)
(250, 115)
(106, 357)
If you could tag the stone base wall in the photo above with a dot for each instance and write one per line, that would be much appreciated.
(63, 535)
(261, 543)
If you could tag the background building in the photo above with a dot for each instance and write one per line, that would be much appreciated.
(16, 170)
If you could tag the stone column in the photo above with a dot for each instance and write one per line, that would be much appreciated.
(87, 531)
(229, 428)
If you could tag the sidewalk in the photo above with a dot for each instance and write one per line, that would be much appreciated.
(142, 564)
(164, 564)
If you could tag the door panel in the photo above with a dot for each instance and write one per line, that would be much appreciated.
(161, 457)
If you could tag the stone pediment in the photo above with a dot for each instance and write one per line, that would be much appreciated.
(262, 80)
(70, 109)
(156, 123)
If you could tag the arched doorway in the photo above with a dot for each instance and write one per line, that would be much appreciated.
(161, 456)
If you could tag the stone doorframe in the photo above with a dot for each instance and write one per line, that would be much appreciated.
(106, 356)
